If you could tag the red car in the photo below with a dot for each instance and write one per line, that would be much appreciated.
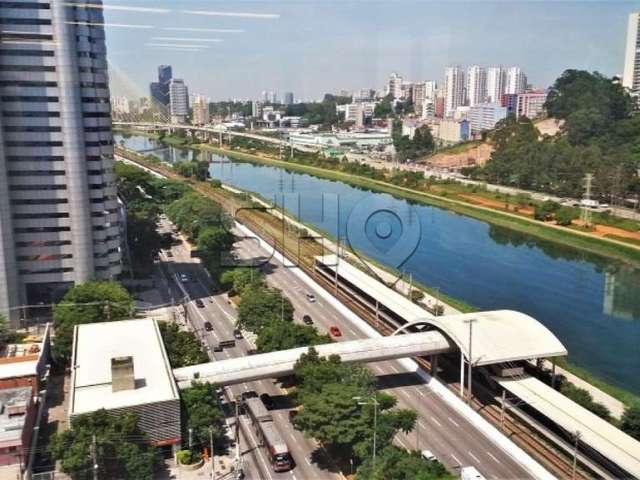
(335, 331)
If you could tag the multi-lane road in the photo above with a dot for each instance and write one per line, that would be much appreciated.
(440, 428)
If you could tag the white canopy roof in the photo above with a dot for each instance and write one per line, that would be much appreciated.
(497, 336)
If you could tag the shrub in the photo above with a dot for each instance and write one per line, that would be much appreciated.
(187, 457)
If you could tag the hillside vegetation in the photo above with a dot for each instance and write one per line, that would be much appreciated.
(600, 134)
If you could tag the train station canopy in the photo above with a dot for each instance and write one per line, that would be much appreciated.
(599, 434)
(499, 336)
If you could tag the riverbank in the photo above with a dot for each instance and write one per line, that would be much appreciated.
(581, 240)
(284, 165)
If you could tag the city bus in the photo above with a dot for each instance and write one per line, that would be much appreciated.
(268, 436)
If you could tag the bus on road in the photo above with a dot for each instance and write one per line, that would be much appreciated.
(268, 435)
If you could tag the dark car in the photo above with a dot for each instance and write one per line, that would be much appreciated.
(249, 394)
(217, 347)
(237, 334)
(307, 320)
(199, 303)
(170, 254)
(208, 327)
(267, 400)
(293, 414)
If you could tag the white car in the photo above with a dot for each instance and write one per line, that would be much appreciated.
(311, 297)
(470, 473)
(428, 455)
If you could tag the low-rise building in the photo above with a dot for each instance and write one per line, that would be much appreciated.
(453, 131)
(22, 368)
(484, 116)
(123, 367)
(510, 102)
(531, 104)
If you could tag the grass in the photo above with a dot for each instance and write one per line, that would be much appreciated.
(623, 239)
(460, 147)
(625, 396)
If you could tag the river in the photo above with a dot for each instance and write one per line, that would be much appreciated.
(590, 302)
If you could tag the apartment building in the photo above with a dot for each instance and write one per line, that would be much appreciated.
(59, 222)
(476, 85)
(178, 101)
(454, 89)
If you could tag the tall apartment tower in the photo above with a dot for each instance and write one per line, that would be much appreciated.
(159, 91)
(516, 81)
(58, 207)
(476, 85)
(394, 86)
(178, 101)
(631, 74)
(453, 89)
(495, 84)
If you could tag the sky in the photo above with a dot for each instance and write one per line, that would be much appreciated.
(237, 49)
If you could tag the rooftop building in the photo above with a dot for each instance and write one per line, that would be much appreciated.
(17, 416)
(123, 367)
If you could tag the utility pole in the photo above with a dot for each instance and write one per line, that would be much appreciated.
(190, 438)
(586, 211)
(575, 454)
(94, 457)
(470, 358)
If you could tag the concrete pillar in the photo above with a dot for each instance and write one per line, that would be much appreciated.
(461, 375)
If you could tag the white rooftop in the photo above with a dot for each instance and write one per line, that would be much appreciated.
(611, 442)
(95, 344)
(498, 336)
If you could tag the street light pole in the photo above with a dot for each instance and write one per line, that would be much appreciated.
(372, 401)
(575, 454)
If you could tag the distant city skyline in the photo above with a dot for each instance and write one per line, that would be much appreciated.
(236, 50)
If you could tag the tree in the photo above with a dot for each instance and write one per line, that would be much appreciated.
(400, 464)
(237, 279)
(630, 421)
(90, 302)
(183, 347)
(203, 411)
(259, 307)
(279, 335)
(384, 108)
(5, 331)
(545, 210)
(565, 216)
(192, 169)
(214, 244)
(122, 450)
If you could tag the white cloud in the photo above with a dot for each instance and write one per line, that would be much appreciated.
(211, 30)
(185, 39)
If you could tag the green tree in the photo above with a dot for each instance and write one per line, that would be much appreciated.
(203, 411)
(90, 302)
(5, 331)
(213, 244)
(384, 108)
(237, 279)
(262, 306)
(630, 422)
(399, 464)
(121, 448)
(192, 169)
(565, 215)
(545, 210)
(183, 347)
(279, 335)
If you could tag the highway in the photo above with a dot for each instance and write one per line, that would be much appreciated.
(440, 428)
(311, 463)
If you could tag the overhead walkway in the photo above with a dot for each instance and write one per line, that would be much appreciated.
(497, 336)
(277, 364)
(607, 440)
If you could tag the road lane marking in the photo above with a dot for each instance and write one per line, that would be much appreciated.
(456, 459)
(435, 420)
(453, 421)
(307, 460)
(473, 456)
(420, 424)
(493, 458)
(401, 442)
(420, 392)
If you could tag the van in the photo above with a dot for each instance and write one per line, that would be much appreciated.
(428, 455)
(227, 343)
